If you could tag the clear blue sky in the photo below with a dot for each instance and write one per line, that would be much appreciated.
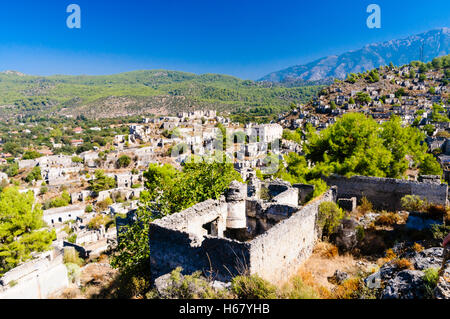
(245, 38)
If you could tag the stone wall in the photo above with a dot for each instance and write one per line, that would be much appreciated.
(305, 191)
(170, 249)
(386, 193)
(288, 197)
(278, 238)
(276, 254)
(37, 279)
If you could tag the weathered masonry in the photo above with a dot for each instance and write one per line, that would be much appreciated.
(238, 235)
(386, 193)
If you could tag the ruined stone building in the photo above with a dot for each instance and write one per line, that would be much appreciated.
(237, 234)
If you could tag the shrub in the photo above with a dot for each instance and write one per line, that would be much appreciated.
(253, 287)
(123, 161)
(43, 190)
(387, 219)
(71, 257)
(89, 209)
(187, 287)
(34, 175)
(418, 247)
(104, 204)
(298, 289)
(98, 221)
(77, 159)
(430, 278)
(72, 239)
(73, 271)
(439, 231)
(329, 217)
(413, 203)
(326, 250)
(348, 289)
(365, 207)
(403, 263)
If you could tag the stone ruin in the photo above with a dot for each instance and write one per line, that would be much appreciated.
(237, 234)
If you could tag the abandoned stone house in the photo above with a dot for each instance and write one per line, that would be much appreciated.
(63, 214)
(237, 234)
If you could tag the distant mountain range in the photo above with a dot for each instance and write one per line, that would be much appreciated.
(400, 52)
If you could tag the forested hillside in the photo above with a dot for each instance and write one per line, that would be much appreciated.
(142, 92)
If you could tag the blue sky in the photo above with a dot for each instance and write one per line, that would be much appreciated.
(244, 38)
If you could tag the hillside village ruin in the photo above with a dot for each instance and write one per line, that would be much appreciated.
(242, 232)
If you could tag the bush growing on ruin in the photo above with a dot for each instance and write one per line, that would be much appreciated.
(329, 217)
(102, 182)
(98, 221)
(71, 256)
(413, 203)
(365, 207)
(387, 219)
(253, 287)
(77, 159)
(123, 161)
(60, 201)
(34, 175)
(104, 204)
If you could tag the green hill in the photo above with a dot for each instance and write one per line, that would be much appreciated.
(142, 92)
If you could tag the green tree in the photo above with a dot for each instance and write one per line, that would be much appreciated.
(123, 161)
(102, 182)
(34, 175)
(430, 166)
(351, 146)
(363, 98)
(31, 155)
(357, 145)
(20, 228)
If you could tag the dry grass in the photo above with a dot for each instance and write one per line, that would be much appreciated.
(365, 207)
(71, 293)
(347, 289)
(390, 255)
(418, 247)
(387, 219)
(326, 250)
(403, 263)
(322, 264)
